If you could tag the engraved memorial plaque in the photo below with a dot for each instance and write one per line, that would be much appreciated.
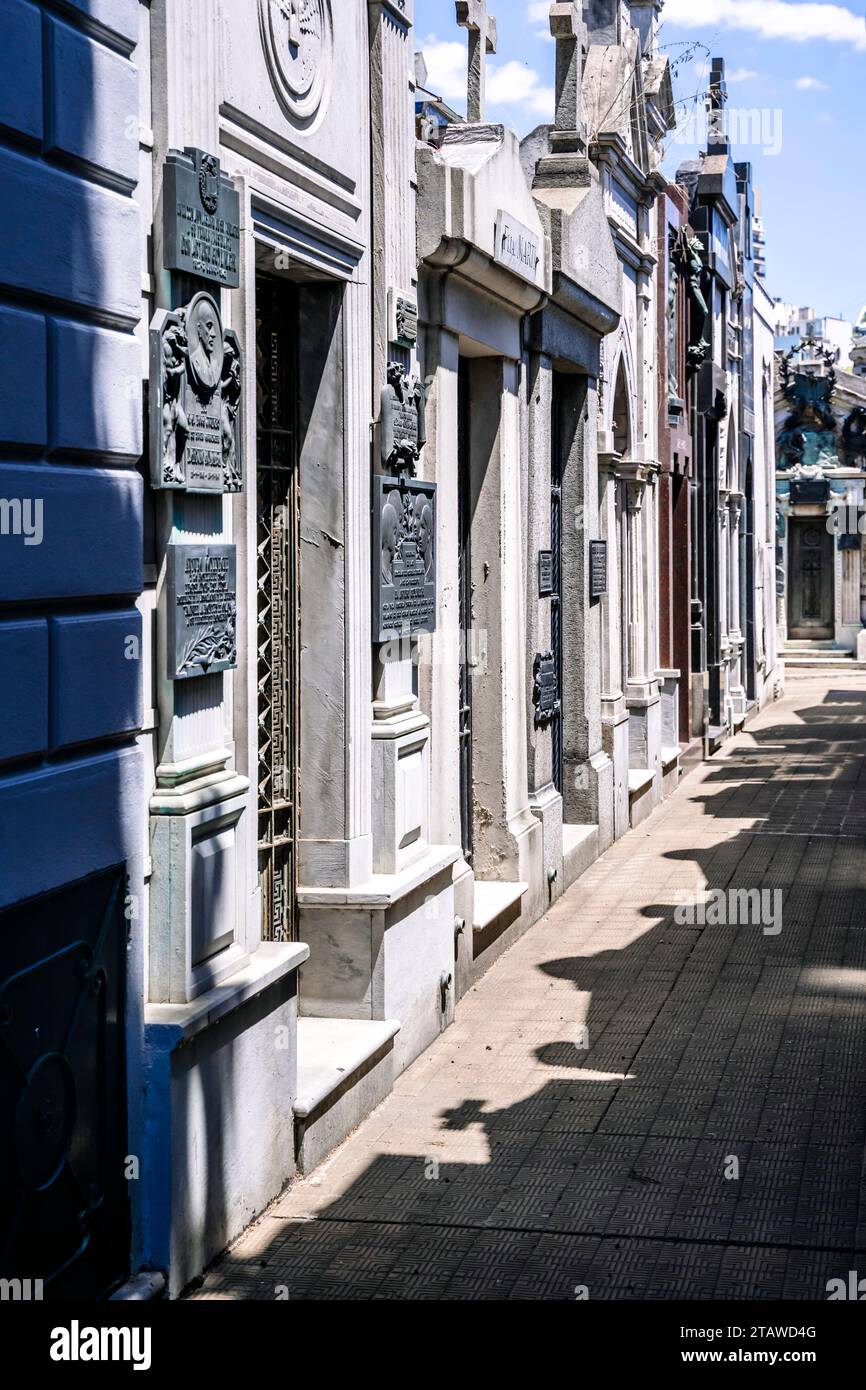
(402, 425)
(404, 558)
(201, 598)
(402, 319)
(597, 569)
(545, 573)
(201, 210)
(545, 689)
(809, 491)
(195, 400)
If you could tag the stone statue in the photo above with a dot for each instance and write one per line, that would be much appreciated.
(854, 437)
(689, 257)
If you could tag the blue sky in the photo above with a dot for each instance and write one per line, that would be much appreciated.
(797, 88)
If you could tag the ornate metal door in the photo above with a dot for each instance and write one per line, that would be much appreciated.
(810, 580)
(464, 580)
(277, 603)
(64, 1204)
(556, 740)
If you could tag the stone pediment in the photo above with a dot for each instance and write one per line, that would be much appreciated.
(582, 247)
(464, 185)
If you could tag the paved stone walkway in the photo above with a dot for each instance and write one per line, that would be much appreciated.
(513, 1161)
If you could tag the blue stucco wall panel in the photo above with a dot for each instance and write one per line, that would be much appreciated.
(96, 376)
(21, 68)
(23, 688)
(118, 17)
(89, 537)
(95, 676)
(23, 378)
(69, 239)
(67, 821)
(77, 68)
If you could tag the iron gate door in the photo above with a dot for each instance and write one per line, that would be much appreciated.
(63, 1132)
(464, 582)
(556, 740)
(277, 602)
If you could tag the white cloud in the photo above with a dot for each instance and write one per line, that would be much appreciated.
(741, 75)
(538, 12)
(511, 84)
(811, 84)
(446, 68)
(517, 84)
(772, 19)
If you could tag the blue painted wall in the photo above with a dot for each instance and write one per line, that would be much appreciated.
(72, 797)
(70, 440)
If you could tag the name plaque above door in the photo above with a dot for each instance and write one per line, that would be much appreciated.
(518, 248)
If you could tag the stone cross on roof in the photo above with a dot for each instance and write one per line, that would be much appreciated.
(472, 15)
(717, 98)
(567, 27)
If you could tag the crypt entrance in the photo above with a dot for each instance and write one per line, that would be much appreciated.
(810, 579)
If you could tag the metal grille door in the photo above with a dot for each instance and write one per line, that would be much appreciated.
(464, 580)
(556, 587)
(277, 604)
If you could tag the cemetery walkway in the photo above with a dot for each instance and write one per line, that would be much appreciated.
(629, 1105)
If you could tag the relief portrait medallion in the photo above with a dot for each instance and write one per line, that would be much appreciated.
(205, 342)
(297, 39)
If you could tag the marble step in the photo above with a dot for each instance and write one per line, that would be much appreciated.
(345, 1069)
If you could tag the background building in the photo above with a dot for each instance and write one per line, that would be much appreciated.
(794, 327)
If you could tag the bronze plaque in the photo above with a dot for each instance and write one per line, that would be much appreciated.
(404, 557)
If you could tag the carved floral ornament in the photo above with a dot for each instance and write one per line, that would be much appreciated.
(297, 37)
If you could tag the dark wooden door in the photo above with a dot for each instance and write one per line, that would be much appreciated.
(810, 580)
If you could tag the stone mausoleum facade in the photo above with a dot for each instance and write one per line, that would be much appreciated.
(387, 517)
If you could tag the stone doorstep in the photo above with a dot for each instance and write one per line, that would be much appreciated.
(344, 1072)
(579, 851)
(669, 757)
(639, 780)
(494, 899)
(819, 661)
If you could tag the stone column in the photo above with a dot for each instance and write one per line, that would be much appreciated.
(400, 730)
(196, 782)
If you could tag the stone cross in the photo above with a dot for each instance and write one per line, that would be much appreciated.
(568, 29)
(293, 15)
(717, 98)
(472, 15)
